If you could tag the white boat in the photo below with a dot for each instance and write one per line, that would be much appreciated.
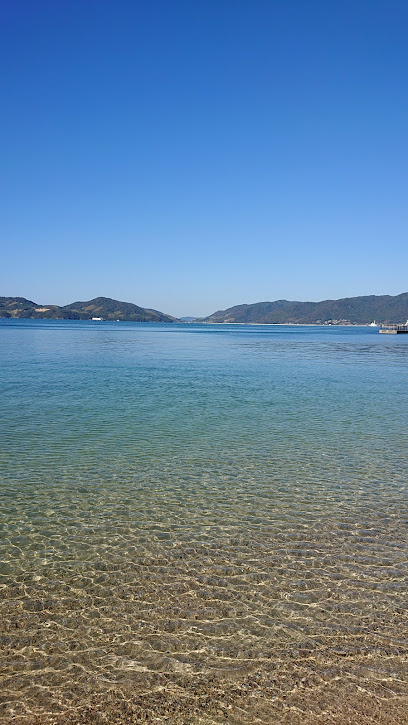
(97, 318)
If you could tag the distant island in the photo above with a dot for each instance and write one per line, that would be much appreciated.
(101, 307)
(384, 309)
(348, 311)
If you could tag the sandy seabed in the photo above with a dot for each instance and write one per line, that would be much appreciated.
(293, 694)
(165, 644)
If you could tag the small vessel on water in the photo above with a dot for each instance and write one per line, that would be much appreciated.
(97, 318)
(394, 329)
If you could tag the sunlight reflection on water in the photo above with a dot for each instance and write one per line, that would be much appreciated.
(201, 514)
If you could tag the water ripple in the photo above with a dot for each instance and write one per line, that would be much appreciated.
(201, 526)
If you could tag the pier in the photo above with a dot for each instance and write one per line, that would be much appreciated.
(394, 329)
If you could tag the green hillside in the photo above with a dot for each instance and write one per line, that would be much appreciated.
(350, 310)
(110, 309)
(103, 307)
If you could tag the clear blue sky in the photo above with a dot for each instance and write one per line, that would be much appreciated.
(192, 155)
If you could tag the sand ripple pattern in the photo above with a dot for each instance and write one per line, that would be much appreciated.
(247, 563)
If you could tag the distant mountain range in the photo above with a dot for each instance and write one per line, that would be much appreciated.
(103, 307)
(347, 311)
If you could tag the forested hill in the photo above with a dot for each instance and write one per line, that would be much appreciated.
(103, 307)
(350, 310)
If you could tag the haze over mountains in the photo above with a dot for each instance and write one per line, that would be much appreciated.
(347, 311)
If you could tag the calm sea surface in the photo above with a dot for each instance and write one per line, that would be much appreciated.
(203, 523)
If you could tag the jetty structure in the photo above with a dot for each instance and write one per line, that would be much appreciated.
(394, 329)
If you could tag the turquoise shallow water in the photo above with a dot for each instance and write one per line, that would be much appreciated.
(213, 517)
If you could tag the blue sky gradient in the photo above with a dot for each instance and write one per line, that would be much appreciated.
(189, 156)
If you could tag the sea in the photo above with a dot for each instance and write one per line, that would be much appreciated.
(203, 523)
